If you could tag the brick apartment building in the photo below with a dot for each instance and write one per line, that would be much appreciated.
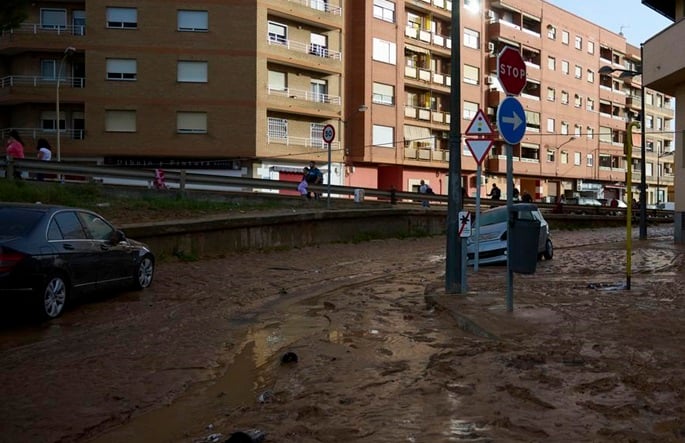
(246, 87)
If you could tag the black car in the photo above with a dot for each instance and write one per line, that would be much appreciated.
(51, 255)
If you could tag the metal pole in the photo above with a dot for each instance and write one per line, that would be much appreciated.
(455, 274)
(328, 186)
(59, 145)
(643, 160)
(510, 219)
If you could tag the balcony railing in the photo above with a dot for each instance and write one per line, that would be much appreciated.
(307, 142)
(307, 48)
(427, 75)
(36, 81)
(37, 28)
(36, 133)
(428, 37)
(304, 95)
(320, 5)
(427, 114)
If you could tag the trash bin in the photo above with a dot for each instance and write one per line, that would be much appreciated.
(523, 246)
(358, 195)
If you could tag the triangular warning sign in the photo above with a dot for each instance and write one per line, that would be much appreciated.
(480, 125)
(479, 148)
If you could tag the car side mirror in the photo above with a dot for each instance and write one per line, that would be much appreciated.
(118, 236)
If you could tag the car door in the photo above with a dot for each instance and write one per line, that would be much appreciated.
(116, 262)
(75, 251)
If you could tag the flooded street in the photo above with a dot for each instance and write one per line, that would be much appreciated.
(198, 356)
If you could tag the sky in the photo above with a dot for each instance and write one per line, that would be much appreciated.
(637, 22)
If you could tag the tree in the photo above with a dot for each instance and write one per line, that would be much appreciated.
(13, 13)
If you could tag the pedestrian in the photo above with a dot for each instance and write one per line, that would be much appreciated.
(303, 186)
(314, 177)
(424, 188)
(526, 198)
(516, 194)
(15, 149)
(44, 153)
(495, 193)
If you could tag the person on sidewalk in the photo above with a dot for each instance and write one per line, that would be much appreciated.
(495, 193)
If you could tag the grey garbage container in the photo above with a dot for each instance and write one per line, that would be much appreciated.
(523, 246)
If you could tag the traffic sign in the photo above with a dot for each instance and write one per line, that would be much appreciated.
(464, 224)
(479, 148)
(328, 133)
(511, 120)
(511, 70)
(480, 125)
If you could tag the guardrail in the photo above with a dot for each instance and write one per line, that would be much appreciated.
(182, 181)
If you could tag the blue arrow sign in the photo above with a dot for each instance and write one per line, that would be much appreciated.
(511, 120)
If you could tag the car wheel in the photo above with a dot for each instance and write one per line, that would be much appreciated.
(144, 273)
(549, 250)
(52, 297)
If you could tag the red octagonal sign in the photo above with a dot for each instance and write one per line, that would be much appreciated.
(511, 71)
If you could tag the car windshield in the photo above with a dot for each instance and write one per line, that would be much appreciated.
(18, 222)
(493, 217)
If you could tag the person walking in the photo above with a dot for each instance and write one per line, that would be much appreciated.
(44, 153)
(314, 177)
(495, 193)
(425, 189)
(303, 186)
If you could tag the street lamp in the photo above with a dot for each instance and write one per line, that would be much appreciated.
(67, 53)
(626, 73)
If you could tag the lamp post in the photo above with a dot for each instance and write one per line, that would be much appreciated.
(67, 52)
(625, 73)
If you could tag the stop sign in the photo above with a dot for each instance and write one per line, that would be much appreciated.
(511, 71)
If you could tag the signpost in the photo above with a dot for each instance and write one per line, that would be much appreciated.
(328, 137)
(511, 122)
(480, 126)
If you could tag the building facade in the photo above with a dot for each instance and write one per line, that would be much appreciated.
(246, 88)
(664, 70)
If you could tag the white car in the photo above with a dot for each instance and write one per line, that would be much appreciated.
(492, 245)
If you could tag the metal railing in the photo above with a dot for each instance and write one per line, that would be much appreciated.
(37, 28)
(36, 81)
(300, 94)
(307, 48)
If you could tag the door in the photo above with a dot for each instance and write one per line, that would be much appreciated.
(78, 22)
(75, 251)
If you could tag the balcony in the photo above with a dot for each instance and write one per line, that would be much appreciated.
(426, 154)
(309, 144)
(307, 55)
(421, 76)
(36, 36)
(319, 13)
(427, 37)
(297, 94)
(13, 87)
(427, 115)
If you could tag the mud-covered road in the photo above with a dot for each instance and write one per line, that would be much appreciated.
(198, 354)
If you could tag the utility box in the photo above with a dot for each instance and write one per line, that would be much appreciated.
(523, 245)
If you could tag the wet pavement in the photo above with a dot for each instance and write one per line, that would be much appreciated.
(199, 355)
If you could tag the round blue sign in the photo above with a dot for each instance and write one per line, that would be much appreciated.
(511, 120)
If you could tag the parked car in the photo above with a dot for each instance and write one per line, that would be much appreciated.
(52, 255)
(492, 245)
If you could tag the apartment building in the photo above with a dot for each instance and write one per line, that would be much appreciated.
(246, 88)
(664, 71)
(241, 88)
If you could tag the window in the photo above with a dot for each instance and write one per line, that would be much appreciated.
(590, 47)
(384, 136)
(590, 76)
(318, 45)
(473, 5)
(576, 131)
(470, 110)
(649, 122)
(53, 18)
(550, 125)
(384, 51)
(47, 121)
(124, 18)
(590, 160)
(383, 94)
(191, 122)
(564, 157)
(532, 120)
(551, 63)
(551, 94)
(192, 72)
(120, 121)
(48, 70)
(564, 128)
(278, 33)
(121, 69)
(277, 81)
(551, 32)
(319, 90)
(564, 37)
(471, 38)
(193, 21)
(384, 10)
(579, 42)
(578, 72)
(590, 104)
(604, 134)
(68, 225)
(590, 132)
(564, 98)
(564, 67)
(277, 128)
(659, 123)
(578, 101)
(471, 75)
(576, 158)
(316, 135)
